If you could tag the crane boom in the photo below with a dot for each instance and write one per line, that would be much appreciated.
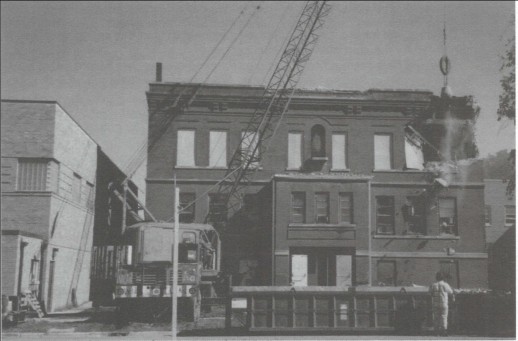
(273, 104)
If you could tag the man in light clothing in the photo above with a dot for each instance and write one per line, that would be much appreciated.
(440, 291)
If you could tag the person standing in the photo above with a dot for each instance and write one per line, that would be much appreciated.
(440, 291)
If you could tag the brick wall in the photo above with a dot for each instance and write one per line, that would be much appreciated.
(10, 260)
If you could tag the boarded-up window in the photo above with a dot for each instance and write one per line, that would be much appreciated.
(32, 175)
(322, 208)
(76, 187)
(186, 208)
(294, 150)
(346, 208)
(185, 148)
(385, 215)
(298, 207)
(382, 151)
(448, 215)
(248, 144)
(339, 154)
(218, 149)
(387, 275)
(413, 153)
(299, 270)
(510, 215)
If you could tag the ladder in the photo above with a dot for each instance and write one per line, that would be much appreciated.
(34, 303)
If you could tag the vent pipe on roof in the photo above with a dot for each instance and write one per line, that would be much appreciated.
(158, 72)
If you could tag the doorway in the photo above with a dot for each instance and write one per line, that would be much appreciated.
(321, 267)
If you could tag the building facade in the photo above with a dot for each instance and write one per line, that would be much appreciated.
(348, 192)
(500, 213)
(48, 187)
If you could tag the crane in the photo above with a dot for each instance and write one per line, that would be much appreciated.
(273, 104)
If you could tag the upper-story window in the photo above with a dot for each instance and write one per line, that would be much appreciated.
(294, 150)
(249, 142)
(414, 158)
(318, 141)
(218, 149)
(385, 215)
(386, 273)
(298, 207)
(187, 208)
(414, 214)
(217, 208)
(510, 215)
(185, 148)
(90, 196)
(448, 215)
(382, 151)
(339, 154)
(76, 187)
(32, 175)
(322, 208)
(487, 215)
(346, 208)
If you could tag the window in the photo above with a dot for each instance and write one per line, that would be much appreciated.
(385, 215)
(217, 208)
(413, 152)
(218, 149)
(322, 208)
(339, 153)
(90, 199)
(448, 215)
(387, 275)
(318, 141)
(32, 175)
(510, 215)
(414, 215)
(298, 207)
(249, 141)
(294, 150)
(185, 148)
(450, 272)
(487, 214)
(76, 187)
(187, 208)
(382, 151)
(346, 208)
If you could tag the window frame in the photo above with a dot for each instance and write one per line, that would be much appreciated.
(394, 271)
(393, 215)
(335, 152)
(77, 197)
(417, 219)
(43, 177)
(349, 195)
(182, 214)
(225, 150)
(487, 215)
(454, 227)
(327, 201)
(193, 147)
(223, 213)
(301, 150)
(390, 150)
(293, 208)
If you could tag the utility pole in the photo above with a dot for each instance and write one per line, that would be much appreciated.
(174, 287)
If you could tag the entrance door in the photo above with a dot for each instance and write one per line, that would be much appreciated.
(299, 270)
(343, 270)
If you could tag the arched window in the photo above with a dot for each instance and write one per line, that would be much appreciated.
(318, 141)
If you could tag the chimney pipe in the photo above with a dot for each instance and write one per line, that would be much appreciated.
(158, 72)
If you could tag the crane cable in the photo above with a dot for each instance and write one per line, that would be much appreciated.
(140, 154)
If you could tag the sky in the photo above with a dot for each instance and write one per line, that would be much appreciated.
(97, 58)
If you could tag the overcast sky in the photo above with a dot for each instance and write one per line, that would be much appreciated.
(97, 58)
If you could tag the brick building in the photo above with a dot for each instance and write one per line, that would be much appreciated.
(500, 224)
(55, 203)
(341, 197)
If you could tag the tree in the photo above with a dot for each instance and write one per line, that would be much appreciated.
(507, 105)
